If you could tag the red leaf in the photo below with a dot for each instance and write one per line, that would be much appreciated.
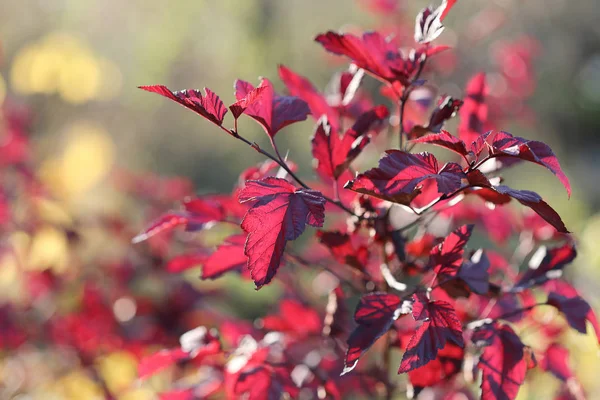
(372, 52)
(164, 223)
(576, 310)
(342, 249)
(556, 361)
(375, 314)
(301, 87)
(290, 312)
(503, 362)
(474, 111)
(440, 325)
(334, 152)
(447, 6)
(447, 364)
(446, 140)
(280, 213)
(185, 261)
(272, 111)
(209, 106)
(399, 173)
(446, 109)
(536, 203)
(506, 145)
(251, 97)
(199, 212)
(474, 273)
(159, 361)
(545, 265)
(447, 258)
(229, 256)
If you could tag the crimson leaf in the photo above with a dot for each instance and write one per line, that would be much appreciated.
(249, 99)
(399, 173)
(447, 364)
(447, 257)
(474, 111)
(209, 106)
(229, 256)
(545, 265)
(440, 325)
(280, 213)
(506, 145)
(341, 247)
(503, 361)
(304, 89)
(334, 152)
(446, 140)
(372, 52)
(272, 111)
(576, 310)
(556, 361)
(375, 314)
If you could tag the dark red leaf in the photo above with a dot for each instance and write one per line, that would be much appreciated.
(446, 140)
(556, 361)
(475, 274)
(229, 256)
(251, 97)
(447, 258)
(258, 383)
(575, 309)
(536, 203)
(446, 109)
(440, 325)
(474, 111)
(272, 111)
(399, 173)
(280, 213)
(372, 52)
(506, 145)
(375, 314)
(546, 264)
(209, 106)
(301, 87)
(342, 249)
(447, 364)
(333, 152)
(503, 361)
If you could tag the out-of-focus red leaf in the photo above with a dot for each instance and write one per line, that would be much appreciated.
(159, 361)
(375, 314)
(336, 318)
(333, 152)
(184, 262)
(556, 361)
(440, 325)
(280, 213)
(301, 87)
(576, 310)
(474, 111)
(503, 361)
(342, 249)
(506, 145)
(229, 256)
(447, 364)
(290, 313)
(372, 52)
(272, 111)
(546, 264)
(399, 174)
(209, 106)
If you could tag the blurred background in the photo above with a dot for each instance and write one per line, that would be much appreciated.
(69, 71)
